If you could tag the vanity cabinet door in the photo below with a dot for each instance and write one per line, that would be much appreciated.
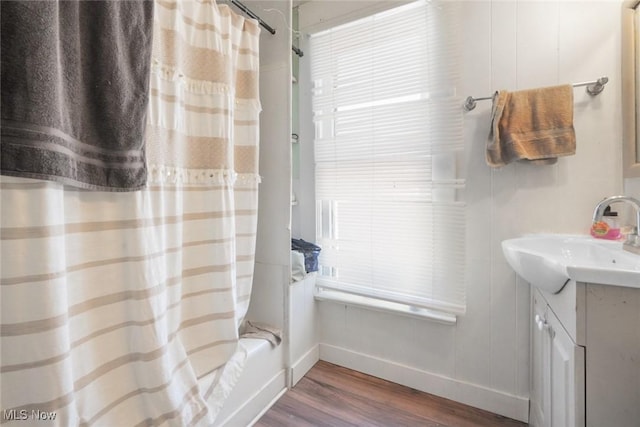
(566, 377)
(539, 363)
(557, 392)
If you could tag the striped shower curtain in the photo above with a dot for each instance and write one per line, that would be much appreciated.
(122, 309)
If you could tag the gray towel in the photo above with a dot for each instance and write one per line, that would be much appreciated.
(251, 329)
(75, 78)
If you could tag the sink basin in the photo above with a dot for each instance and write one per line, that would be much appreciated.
(549, 261)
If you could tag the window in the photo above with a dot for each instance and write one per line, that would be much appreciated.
(388, 138)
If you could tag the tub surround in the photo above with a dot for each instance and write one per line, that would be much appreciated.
(266, 376)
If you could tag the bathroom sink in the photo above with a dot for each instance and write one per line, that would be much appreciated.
(549, 261)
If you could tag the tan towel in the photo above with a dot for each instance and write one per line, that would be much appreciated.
(532, 125)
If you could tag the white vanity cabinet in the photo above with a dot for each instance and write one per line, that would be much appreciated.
(585, 365)
(540, 372)
(558, 371)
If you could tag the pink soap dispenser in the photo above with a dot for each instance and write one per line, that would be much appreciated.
(609, 227)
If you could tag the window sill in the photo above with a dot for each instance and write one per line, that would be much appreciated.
(384, 306)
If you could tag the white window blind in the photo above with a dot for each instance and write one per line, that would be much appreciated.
(388, 134)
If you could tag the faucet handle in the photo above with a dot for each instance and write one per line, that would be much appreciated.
(632, 244)
(632, 237)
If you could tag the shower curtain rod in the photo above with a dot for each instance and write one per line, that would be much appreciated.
(250, 13)
(593, 88)
(263, 24)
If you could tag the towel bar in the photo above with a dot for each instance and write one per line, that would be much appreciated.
(593, 88)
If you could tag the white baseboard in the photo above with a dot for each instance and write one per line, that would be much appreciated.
(301, 366)
(498, 402)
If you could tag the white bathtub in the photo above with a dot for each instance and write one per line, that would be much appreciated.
(264, 379)
(261, 383)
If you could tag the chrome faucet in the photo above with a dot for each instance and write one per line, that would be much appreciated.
(632, 244)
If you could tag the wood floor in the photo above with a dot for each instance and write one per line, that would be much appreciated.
(330, 395)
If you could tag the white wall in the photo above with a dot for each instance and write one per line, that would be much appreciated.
(272, 270)
(484, 359)
(632, 187)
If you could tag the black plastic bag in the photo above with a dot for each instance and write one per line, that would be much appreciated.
(310, 252)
